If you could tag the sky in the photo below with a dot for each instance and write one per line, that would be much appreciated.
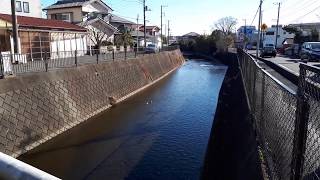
(200, 15)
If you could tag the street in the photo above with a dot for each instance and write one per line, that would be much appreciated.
(286, 62)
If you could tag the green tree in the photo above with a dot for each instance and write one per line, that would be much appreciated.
(124, 39)
(298, 38)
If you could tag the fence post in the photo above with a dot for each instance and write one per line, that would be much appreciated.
(97, 55)
(301, 128)
(135, 52)
(46, 61)
(125, 53)
(75, 58)
(113, 54)
(1, 67)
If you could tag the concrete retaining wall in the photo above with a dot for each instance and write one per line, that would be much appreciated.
(35, 108)
(232, 150)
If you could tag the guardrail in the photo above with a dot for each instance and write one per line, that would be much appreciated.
(11, 168)
(287, 123)
(17, 64)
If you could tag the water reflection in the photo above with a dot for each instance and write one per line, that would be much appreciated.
(161, 133)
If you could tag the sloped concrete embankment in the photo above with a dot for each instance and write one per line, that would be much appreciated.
(35, 108)
(232, 151)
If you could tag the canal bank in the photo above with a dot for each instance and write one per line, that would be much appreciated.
(232, 152)
(35, 108)
(160, 133)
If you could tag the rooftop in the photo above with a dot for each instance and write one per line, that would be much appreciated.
(39, 23)
(191, 34)
(117, 19)
(73, 3)
(149, 27)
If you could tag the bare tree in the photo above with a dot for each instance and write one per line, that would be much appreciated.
(97, 36)
(226, 25)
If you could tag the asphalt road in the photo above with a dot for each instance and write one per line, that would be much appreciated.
(288, 63)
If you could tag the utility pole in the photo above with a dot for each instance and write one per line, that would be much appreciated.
(144, 23)
(165, 32)
(14, 26)
(137, 33)
(168, 32)
(161, 29)
(259, 28)
(245, 33)
(162, 25)
(277, 31)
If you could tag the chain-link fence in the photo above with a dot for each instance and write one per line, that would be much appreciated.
(290, 145)
(44, 61)
(310, 92)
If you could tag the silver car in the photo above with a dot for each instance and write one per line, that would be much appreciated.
(152, 48)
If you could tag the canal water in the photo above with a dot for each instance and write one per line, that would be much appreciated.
(160, 133)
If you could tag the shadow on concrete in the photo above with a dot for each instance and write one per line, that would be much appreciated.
(232, 151)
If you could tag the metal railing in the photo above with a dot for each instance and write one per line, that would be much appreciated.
(287, 123)
(17, 64)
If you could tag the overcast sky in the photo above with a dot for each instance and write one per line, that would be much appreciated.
(199, 15)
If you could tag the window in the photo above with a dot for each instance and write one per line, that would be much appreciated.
(269, 33)
(18, 6)
(26, 8)
(62, 16)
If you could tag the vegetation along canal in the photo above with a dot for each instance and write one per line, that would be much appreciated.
(160, 133)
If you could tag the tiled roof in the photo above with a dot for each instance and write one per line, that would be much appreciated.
(39, 23)
(149, 27)
(72, 3)
(117, 19)
(91, 21)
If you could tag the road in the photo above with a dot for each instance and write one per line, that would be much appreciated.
(288, 63)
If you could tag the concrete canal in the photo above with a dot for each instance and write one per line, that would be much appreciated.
(160, 133)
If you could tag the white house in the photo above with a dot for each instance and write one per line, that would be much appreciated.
(270, 36)
(94, 15)
(30, 8)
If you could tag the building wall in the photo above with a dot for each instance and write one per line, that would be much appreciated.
(283, 35)
(34, 6)
(76, 13)
(37, 107)
(64, 45)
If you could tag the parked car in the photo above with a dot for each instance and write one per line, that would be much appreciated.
(268, 50)
(310, 51)
(152, 48)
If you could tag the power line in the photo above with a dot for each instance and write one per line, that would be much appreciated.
(306, 14)
(255, 16)
(298, 9)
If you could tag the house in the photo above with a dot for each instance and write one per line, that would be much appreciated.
(151, 30)
(37, 37)
(29, 8)
(153, 33)
(270, 36)
(138, 36)
(250, 32)
(120, 22)
(94, 15)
